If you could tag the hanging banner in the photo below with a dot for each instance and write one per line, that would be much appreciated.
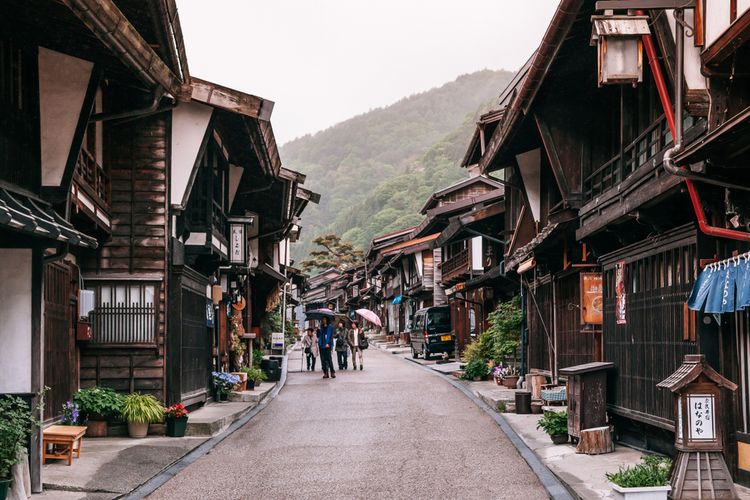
(620, 295)
(591, 299)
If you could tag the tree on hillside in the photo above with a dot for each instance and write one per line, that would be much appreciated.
(334, 253)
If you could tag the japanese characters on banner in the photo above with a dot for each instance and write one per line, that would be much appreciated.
(237, 244)
(701, 410)
(620, 295)
(591, 298)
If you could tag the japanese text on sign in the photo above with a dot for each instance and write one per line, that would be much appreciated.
(701, 410)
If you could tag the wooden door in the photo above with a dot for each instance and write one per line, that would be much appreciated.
(60, 360)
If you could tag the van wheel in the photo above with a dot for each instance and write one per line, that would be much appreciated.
(426, 353)
(413, 353)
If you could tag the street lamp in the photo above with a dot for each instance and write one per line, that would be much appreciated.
(619, 47)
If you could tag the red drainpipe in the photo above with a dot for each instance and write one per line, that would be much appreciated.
(666, 103)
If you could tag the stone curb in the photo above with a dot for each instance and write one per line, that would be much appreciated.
(157, 481)
(554, 486)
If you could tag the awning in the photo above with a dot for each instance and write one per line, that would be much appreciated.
(723, 286)
(526, 251)
(723, 145)
(397, 300)
(272, 273)
(35, 218)
(469, 225)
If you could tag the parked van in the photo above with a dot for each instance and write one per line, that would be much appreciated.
(430, 332)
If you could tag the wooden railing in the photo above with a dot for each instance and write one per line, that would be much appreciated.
(124, 324)
(92, 174)
(645, 147)
(456, 265)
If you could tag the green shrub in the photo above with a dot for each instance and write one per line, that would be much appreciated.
(476, 368)
(17, 422)
(142, 408)
(554, 423)
(99, 401)
(503, 336)
(255, 374)
(257, 357)
(654, 471)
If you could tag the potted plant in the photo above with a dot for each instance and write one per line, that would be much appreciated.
(646, 481)
(506, 375)
(476, 370)
(242, 384)
(71, 414)
(254, 377)
(17, 422)
(97, 405)
(139, 410)
(555, 424)
(223, 384)
(177, 418)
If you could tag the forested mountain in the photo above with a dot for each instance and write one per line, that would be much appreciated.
(374, 171)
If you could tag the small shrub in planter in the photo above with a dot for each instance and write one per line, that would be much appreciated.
(97, 405)
(17, 422)
(254, 377)
(139, 410)
(648, 480)
(71, 414)
(476, 370)
(177, 418)
(555, 425)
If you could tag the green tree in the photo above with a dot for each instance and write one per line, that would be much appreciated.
(334, 253)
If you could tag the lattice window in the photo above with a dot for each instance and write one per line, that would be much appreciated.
(125, 313)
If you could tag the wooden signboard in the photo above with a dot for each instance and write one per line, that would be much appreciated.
(620, 295)
(592, 302)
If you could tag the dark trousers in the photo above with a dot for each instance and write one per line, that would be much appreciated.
(311, 361)
(342, 359)
(325, 359)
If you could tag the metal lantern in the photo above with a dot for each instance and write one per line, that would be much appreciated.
(619, 47)
(698, 432)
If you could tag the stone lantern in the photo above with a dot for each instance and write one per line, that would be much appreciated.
(699, 470)
(619, 47)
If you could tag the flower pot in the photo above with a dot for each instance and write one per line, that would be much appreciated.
(176, 427)
(498, 380)
(645, 493)
(510, 382)
(242, 385)
(4, 487)
(96, 428)
(536, 407)
(559, 438)
(477, 379)
(137, 429)
(251, 385)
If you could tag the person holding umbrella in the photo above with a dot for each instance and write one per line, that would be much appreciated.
(355, 340)
(325, 344)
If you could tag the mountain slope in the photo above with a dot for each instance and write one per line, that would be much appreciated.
(375, 170)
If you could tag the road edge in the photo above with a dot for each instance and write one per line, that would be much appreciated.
(160, 479)
(552, 484)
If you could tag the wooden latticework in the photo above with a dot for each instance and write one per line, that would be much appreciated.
(701, 475)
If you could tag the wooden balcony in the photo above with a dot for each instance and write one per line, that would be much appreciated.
(91, 189)
(655, 139)
(456, 268)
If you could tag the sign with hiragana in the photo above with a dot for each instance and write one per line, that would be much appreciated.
(701, 416)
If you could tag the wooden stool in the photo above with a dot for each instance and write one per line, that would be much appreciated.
(62, 441)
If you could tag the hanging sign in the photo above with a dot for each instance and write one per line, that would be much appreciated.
(209, 314)
(591, 298)
(237, 243)
(620, 295)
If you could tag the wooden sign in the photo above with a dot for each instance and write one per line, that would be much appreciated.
(592, 302)
(620, 295)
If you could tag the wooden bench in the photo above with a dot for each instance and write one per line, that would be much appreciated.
(61, 441)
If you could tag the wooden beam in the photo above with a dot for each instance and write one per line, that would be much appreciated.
(231, 100)
(737, 34)
(554, 158)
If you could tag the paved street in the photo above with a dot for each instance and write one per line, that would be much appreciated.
(390, 431)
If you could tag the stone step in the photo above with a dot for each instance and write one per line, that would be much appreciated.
(215, 417)
(255, 396)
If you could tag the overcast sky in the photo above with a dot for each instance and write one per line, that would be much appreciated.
(323, 61)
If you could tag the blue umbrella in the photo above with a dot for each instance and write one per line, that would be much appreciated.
(320, 313)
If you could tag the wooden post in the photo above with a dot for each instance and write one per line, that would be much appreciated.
(596, 441)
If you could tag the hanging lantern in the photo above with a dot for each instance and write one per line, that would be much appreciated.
(619, 48)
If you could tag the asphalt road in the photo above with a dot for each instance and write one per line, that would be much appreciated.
(390, 431)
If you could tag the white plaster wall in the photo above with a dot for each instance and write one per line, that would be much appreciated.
(235, 175)
(476, 253)
(693, 77)
(420, 264)
(530, 164)
(63, 81)
(189, 124)
(717, 19)
(15, 320)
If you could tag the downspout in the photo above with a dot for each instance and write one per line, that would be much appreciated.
(674, 119)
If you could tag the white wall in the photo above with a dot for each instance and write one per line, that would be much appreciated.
(15, 320)
(189, 123)
(530, 164)
(477, 255)
(717, 17)
(63, 81)
(693, 77)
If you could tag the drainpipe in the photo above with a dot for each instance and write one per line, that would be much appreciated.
(674, 119)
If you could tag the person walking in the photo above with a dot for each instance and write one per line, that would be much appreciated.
(342, 346)
(325, 345)
(310, 345)
(355, 341)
